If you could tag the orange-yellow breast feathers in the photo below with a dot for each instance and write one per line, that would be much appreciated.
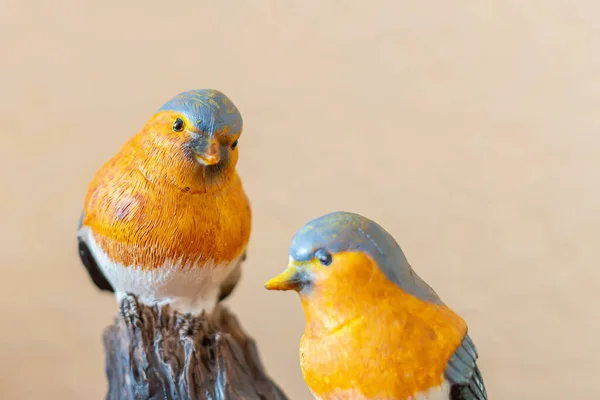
(150, 204)
(365, 335)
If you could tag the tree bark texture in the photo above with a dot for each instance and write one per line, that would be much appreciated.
(153, 352)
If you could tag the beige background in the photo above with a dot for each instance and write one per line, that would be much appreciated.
(468, 129)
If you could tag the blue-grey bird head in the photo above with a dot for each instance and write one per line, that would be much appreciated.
(344, 231)
(212, 122)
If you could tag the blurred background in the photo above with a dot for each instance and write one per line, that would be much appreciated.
(468, 129)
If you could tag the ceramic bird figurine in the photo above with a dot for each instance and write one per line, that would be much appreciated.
(167, 218)
(374, 329)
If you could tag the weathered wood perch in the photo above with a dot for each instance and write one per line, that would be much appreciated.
(157, 353)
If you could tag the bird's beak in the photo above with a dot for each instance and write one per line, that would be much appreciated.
(211, 154)
(290, 279)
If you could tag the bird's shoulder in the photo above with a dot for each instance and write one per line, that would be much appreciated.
(117, 190)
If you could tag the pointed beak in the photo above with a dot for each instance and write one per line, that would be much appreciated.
(211, 155)
(290, 279)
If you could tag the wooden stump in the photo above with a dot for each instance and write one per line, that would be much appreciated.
(154, 352)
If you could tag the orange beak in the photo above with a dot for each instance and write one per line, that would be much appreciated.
(290, 279)
(212, 155)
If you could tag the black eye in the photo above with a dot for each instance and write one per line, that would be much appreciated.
(323, 256)
(178, 125)
(234, 145)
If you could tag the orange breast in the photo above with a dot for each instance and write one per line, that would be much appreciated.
(391, 345)
(147, 221)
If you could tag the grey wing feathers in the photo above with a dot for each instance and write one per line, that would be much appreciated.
(464, 375)
(90, 264)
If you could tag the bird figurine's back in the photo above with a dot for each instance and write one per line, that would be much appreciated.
(374, 329)
(167, 218)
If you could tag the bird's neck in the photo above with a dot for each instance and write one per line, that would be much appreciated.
(336, 298)
(164, 167)
(326, 319)
(367, 295)
(330, 309)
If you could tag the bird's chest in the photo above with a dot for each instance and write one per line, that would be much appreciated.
(150, 229)
(370, 362)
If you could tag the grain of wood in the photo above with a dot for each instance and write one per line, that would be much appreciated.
(153, 352)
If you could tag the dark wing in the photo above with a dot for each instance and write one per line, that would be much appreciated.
(464, 375)
(232, 280)
(88, 260)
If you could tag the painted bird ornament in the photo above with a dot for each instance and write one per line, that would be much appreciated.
(167, 218)
(374, 328)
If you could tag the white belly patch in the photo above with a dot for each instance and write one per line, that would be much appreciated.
(186, 288)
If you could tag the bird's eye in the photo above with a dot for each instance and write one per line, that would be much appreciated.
(323, 256)
(178, 125)
(234, 145)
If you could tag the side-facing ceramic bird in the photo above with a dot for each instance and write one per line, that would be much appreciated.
(374, 329)
(167, 218)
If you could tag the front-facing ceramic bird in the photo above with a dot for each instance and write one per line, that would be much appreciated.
(374, 329)
(167, 217)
